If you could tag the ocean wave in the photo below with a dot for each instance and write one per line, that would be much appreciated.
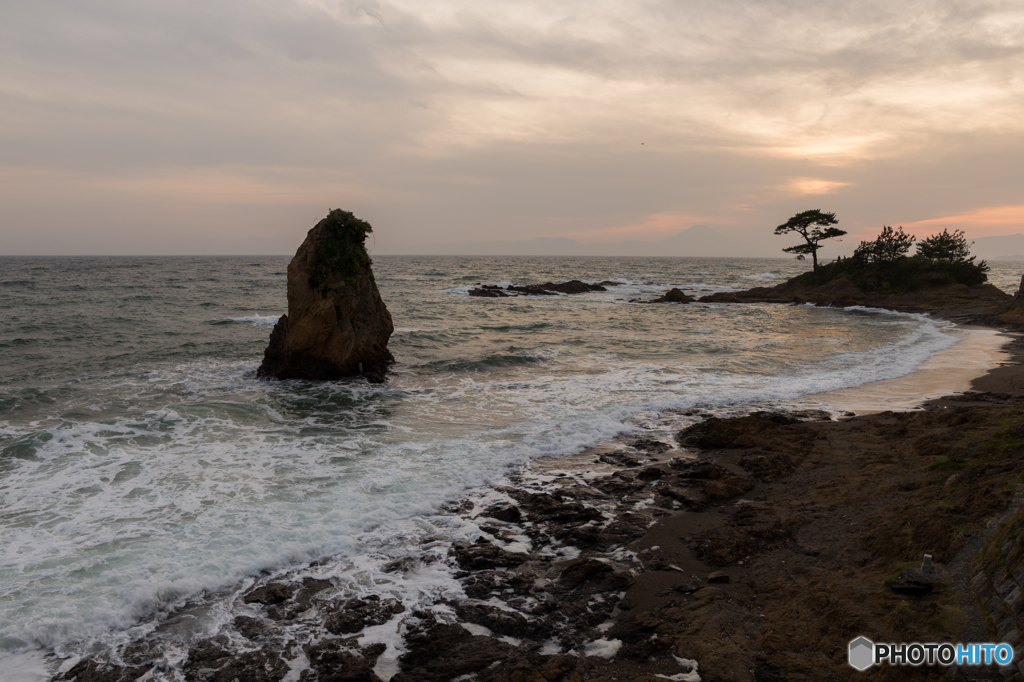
(763, 275)
(165, 479)
(252, 319)
(528, 325)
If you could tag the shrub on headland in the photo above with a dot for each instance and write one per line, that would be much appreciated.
(883, 266)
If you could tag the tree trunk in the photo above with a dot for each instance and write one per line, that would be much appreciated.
(814, 259)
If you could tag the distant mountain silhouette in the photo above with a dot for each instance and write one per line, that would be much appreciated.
(1003, 247)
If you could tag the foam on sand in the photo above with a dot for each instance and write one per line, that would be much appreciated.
(947, 371)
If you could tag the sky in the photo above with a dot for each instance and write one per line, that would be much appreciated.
(230, 127)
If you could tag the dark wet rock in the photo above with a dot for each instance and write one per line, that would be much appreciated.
(694, 469)
(488, 291)
(331, 660)
(689, 587)
(718, 577)
(768, 431)
(622, 459)
(724, 488)
(551, 508)
(337, 324)
(619, 486)
(311, 587)
(768, 466)
(573, 287)
(285, 601)
(248, 627)
(502, 622)
(482, 556)
(674, 296)
(637, 634)
(650, 474)
(483, 584)
(91, 670)
(584, 570)
(212, 660)
(400, 565)
(506, 512)
(650, 446)
(547, 289)
(685, 496)
(356, 614)
(592, 575)
(270, 594)
(444, 652)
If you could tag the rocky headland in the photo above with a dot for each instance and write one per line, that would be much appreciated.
(957, 298)
(337, 324)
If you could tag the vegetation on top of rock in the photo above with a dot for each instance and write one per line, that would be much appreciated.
(882, 265)
(341, 250)
(890, 246)
(951, 248)
(808, 225)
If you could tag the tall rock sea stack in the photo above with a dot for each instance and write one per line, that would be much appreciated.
(337, 325)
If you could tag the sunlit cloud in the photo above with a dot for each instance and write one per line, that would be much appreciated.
(983, 222)
(655, 226)
(810, 186)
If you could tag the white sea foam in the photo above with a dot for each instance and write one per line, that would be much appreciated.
(763, 275)
(602, 648)
(255, 319)
(194, 475)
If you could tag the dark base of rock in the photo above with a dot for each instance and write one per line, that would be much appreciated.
(281, 363)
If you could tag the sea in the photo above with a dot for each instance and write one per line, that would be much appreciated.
(145, 470)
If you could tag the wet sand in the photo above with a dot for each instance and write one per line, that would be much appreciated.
(953, 370)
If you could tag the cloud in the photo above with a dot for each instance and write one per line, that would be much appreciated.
(453, 118)
(982, 222)
(811, 186)
(657, 226)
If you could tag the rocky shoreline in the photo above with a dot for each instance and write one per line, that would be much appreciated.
(755, 553)
(752, 547)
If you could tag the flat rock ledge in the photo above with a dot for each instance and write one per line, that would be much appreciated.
(574, 286)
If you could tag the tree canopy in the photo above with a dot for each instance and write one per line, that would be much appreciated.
(950, 248)
(889, 247)
(815, 226)
(883, 266)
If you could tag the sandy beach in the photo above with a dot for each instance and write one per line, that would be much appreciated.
(953, 370)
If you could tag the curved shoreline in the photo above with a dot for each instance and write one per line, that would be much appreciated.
(948, 371)
(661, 559)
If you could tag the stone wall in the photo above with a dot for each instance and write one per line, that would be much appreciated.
(998, 583)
